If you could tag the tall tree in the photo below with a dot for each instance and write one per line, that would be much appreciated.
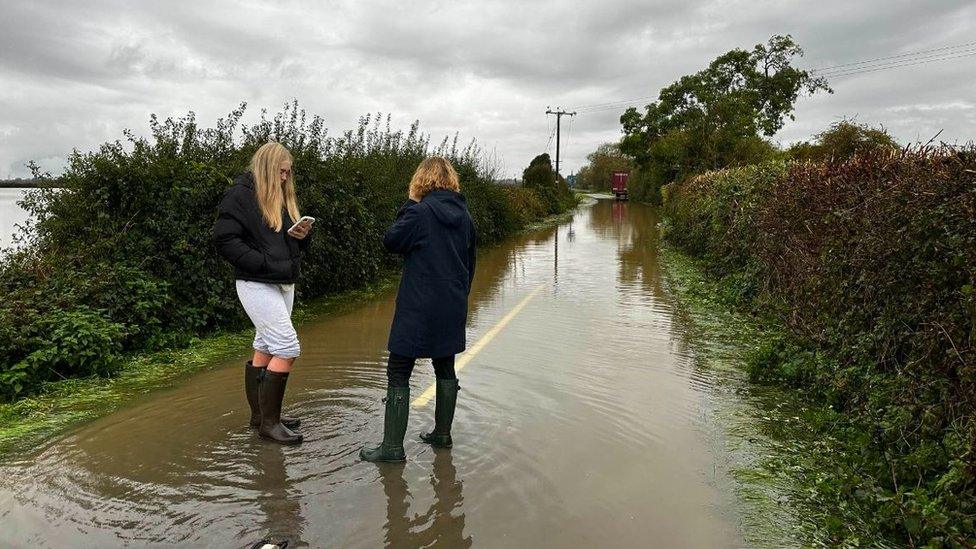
(719, 116)
(605, 160)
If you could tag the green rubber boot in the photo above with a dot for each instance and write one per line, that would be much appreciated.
(447, 390)
(394, 428)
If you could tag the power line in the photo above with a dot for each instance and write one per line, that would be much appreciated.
(907, 64)
(909, 59)
(569, 131)
(551, 135)
(614, 103)
(909, 54)
(901, 62)
(614, 107)
(559, 115)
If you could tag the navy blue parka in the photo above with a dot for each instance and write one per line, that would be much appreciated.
(437, 240)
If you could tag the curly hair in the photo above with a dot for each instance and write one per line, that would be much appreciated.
(434, 173)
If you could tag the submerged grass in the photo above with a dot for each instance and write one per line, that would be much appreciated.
(65, 403)
(777, 442)
(866, 264)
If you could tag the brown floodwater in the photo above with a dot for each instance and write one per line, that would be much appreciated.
(582, 422)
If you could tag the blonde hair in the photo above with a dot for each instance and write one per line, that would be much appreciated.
(272, 195)
(434, 173)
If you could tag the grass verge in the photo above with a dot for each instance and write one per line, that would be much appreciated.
(65, 403)
(785, 452)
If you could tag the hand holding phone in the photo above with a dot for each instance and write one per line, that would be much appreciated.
(301, 228)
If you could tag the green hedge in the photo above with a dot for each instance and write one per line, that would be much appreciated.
(121, 260)
(551, 188)
(870, 264)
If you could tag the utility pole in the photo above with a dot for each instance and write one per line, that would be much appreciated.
(559, 112)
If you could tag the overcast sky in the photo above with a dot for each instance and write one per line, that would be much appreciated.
(75, 74)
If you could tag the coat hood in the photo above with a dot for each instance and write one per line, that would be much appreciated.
(246, 179)
(449, 207)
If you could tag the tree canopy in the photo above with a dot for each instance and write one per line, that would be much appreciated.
(722, 115)
(841, 141)
(605, 160)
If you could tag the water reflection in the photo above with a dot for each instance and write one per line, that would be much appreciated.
(439, 526)
(636, 231)
(638, 250)
(581, 427)
(277, 497)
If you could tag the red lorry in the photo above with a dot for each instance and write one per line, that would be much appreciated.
(618, 185)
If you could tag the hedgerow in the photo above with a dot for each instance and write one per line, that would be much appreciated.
(870, 264)
(120, 256)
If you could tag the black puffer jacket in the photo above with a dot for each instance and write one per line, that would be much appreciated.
(255, 250)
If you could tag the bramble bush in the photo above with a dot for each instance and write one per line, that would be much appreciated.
(870, 263)
(120, 256)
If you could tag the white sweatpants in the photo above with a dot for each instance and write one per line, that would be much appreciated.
(269, 308)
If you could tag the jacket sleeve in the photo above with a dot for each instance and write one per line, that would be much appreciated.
(407, 231)
(230, 238)
(472, 256)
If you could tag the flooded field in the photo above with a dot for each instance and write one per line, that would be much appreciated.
(10, 214)
(585, 421)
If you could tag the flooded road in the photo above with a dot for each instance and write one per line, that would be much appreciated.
(582, 421)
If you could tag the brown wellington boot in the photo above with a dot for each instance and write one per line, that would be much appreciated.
(252, 380)
(271, 392)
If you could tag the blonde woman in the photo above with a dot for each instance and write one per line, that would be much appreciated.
(252, 233)
(434, 233)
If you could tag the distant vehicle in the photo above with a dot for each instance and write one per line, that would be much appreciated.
(618, 185)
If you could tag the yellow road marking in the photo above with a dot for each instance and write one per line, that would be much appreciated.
(463, 360)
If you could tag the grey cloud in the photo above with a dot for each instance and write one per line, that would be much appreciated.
(76, 74)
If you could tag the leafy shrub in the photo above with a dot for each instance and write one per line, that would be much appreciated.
(526, 205)
(842, 140)
(552, 189)
(491, 211)
(120, 257)
(644, 186)
(870, 264)
(76, 343)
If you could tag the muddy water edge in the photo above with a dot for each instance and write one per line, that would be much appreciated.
(609, 411)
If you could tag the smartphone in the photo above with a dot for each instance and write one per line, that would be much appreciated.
(305, 220)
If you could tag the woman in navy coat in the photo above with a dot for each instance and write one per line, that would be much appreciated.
(434, 234)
